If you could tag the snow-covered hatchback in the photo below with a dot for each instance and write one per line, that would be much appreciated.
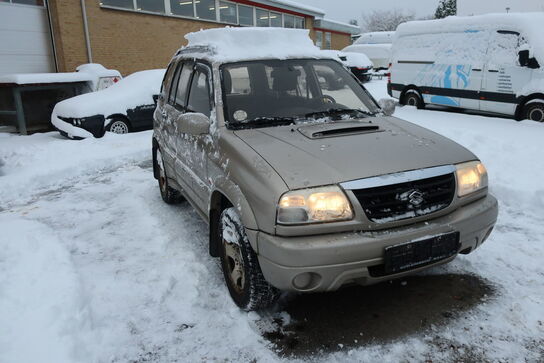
(307, 187)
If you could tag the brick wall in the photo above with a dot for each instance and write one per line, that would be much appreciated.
(340, 41)
(124, 40)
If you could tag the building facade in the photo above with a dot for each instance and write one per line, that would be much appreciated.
(132, 35)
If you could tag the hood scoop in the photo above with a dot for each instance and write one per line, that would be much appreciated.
(338, 129)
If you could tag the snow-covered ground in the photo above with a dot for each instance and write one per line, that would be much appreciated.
(94, 267)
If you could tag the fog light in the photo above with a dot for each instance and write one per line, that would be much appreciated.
(306, 281)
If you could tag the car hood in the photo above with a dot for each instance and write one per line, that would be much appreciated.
(322, 154)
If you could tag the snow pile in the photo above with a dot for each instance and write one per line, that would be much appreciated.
(527, 24)
(135, 90)
(37, 78)
(376, 38)
(43, 315)
(236, 44)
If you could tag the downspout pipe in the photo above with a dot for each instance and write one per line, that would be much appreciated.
(53, 45)
(86, 30)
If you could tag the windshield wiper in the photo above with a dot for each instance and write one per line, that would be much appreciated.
(263, 122)
(338, 112)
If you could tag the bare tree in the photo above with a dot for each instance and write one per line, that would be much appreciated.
(385, 20)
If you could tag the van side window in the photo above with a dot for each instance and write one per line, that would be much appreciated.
(183, 84)
(199, 96)
(503, 48)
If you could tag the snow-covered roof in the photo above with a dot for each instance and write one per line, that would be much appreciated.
(39, 78)
(293, 6)
(135, 90)
(336, 26)
(376, 38)
(527, 24)
(247, 43)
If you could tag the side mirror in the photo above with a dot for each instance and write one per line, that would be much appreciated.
(388, 106)
(193, 123)
(523, 57)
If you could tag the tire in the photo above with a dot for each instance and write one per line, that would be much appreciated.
(169, 195)
(243, 276)
(534, 111)
(412, 98)
(118, 126)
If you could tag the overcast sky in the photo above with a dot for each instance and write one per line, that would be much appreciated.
(344, 10)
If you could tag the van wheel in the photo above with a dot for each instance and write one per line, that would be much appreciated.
(243, 276)
(118, 126)
(412, 98)
(535, 111)
(169, 195)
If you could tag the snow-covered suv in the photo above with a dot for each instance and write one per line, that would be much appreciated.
(307, 187)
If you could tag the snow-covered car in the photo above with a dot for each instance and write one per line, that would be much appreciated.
(126, 106)
(376, 38)
(307, 188)
(491, 63)
(358, 63)
(379, 54)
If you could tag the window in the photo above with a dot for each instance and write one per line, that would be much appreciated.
(227, 12)
(289, 21)
(205, 9)
(174, 84)
(236, 81)
(262, 18)
(167, 81)
(150, 5)
(503, 48)
(328, 37)
(199, 97)
(276, 20)
(183, 7)
(27, 2)
(183, 84)
(245, 15)
(299, 23)
(127, 4)
(319, 39)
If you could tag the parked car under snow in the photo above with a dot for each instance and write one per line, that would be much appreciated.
(124, 107)
(358, 63)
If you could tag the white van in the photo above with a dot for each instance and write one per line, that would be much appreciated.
(489, 63)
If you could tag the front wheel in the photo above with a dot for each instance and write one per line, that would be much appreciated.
(535, 111)
(412, 98)
(168, 194)
(243, 276)
(118, 126)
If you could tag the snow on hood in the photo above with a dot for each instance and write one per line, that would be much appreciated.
(527, 24)
(135, 90)
(238, 44)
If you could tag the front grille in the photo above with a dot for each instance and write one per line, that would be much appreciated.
(407, 200)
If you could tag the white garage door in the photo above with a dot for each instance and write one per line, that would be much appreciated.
(25, 40)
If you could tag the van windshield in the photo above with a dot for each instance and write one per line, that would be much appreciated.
(271, 92)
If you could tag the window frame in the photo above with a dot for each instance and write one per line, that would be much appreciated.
(205, 69)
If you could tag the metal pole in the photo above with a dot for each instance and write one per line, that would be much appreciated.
(86, 29)
(53, 45)
(20, 112)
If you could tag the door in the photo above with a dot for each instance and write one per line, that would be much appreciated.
(200, 101)
(503, 76)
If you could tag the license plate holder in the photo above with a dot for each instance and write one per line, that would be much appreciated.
(414, 254)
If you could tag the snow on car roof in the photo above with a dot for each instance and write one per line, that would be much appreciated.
(351, 59)
(370, 50)
(134, 90)
(238, 44)
(527, 24)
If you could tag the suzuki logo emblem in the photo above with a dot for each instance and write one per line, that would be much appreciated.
(414, 197)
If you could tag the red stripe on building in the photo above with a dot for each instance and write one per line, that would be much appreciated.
(273, 8)
(331, 31)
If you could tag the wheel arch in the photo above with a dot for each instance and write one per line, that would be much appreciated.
(410, 87)
(225, 196)
(114, 116)
(523, 102)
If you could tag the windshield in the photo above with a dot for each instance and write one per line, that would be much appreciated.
(271, 92)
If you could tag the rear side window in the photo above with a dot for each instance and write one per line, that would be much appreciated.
(167, 81)
(199, 97)
(183, 84)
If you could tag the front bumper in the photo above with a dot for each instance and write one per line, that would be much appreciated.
(89, 127)
(326, 262)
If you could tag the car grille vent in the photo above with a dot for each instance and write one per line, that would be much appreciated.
(407, 200)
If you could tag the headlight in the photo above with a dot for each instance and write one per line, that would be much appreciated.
(471, 177)
(326, 204)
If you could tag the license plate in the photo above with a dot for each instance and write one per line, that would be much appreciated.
(419, 253)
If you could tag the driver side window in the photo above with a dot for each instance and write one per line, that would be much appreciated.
(199, 95)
